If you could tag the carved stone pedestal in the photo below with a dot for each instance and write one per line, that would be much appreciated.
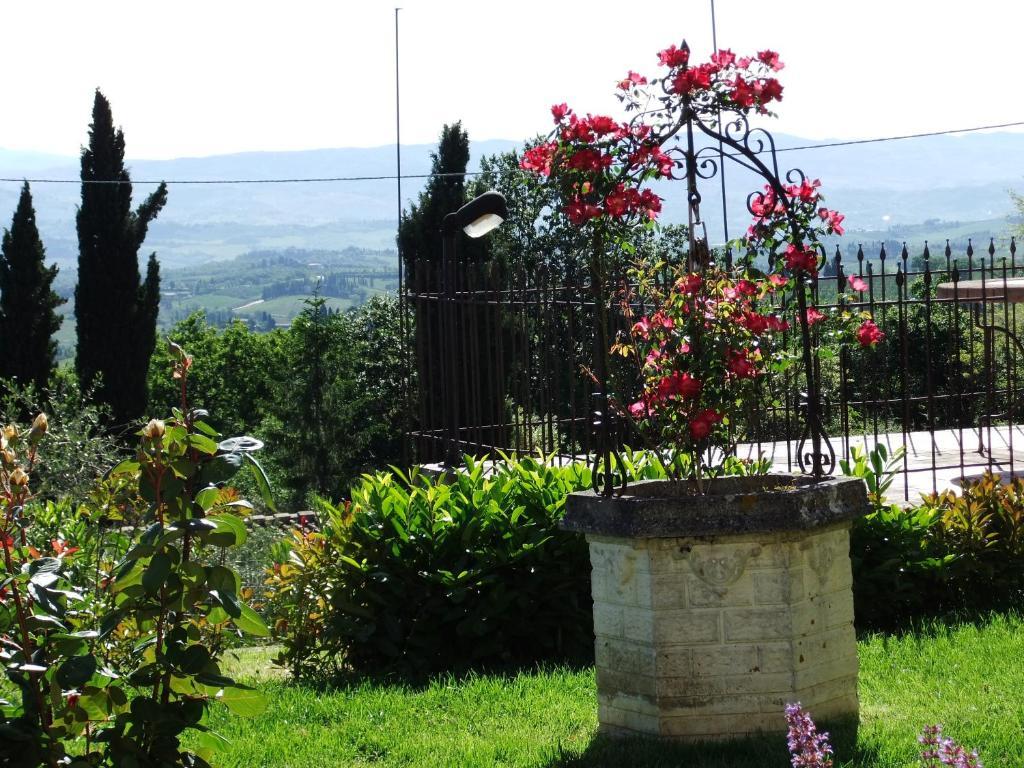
(711, 613)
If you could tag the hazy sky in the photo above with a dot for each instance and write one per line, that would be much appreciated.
(190, 78)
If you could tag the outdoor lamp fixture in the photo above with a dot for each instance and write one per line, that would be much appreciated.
(476, 218)
(479, 216)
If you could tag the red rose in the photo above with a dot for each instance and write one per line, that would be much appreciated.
(538, 159)
(681, 385)
(857, 283)
(724, 58)
(674, 57)
(740, 366)
(801, 258)
(869, 334)
(689, 285)
(701, 423)
(559, 111)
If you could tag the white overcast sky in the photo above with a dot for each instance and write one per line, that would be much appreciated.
(192, 78)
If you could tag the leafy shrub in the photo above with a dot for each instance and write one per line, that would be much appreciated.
(948, 554)
(110, 643)
(422, 573)
(78, 448)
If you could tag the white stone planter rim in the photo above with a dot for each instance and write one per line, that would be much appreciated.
(733, 505)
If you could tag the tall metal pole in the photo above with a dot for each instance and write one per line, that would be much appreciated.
(721, 152)
(403, 320)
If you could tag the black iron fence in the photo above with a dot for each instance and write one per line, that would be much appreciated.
(505, 356)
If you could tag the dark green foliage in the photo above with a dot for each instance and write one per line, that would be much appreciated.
(28, 304)
(948, 555)
(338, 406)
(115, 309)
(232, 375)
(419, 233)
(327, 393)
(422, 574)
(78, 449)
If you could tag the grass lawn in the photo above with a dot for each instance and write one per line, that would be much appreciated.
(970, 678)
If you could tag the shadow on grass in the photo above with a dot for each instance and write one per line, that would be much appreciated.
(760, 752)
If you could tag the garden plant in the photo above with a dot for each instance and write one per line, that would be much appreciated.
(111, 644)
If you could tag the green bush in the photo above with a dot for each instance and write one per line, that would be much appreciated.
(78, 448)
(420, 574)
(949, 554)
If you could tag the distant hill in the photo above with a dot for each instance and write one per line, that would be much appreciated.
(951, 178)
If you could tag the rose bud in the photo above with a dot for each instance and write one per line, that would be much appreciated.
(154, 430)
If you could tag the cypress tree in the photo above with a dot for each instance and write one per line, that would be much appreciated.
(115, 310)
(419, 232)
(28, 304)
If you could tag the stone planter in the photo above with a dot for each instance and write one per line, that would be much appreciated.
(711, 613)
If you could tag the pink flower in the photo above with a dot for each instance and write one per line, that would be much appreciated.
(814, 316)
(638, 410)
(778, 281)
(807, 747)
(631, 80)
(771, 59)
(833, 220)
(869, 334)
(642, 328)
(856, 283)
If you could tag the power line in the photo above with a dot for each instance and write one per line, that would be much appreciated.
(392, 177)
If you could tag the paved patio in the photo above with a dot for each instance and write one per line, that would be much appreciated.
(932, 462)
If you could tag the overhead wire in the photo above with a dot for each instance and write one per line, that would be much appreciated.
(392, 177)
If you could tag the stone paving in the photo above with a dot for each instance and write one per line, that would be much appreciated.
(933, 461)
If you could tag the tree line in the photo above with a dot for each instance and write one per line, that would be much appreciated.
(115, 307)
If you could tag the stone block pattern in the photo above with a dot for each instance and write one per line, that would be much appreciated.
(710, 638)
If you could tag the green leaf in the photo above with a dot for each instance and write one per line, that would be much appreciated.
(220, 468)
(244, 701)
(250, 622)
(44, 571)
(231, 603)
(229, 531)
(155, 574)
(76, 671)
(128, 466)
(202, 443)
(207, 497)
(262, 481)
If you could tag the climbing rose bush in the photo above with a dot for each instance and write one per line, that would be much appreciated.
(705, 334)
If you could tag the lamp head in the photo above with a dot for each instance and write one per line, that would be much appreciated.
(480, 215)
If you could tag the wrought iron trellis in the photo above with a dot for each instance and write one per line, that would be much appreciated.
(523, 345)
(754, 150)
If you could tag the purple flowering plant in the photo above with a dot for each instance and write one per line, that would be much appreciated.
(810, 749)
